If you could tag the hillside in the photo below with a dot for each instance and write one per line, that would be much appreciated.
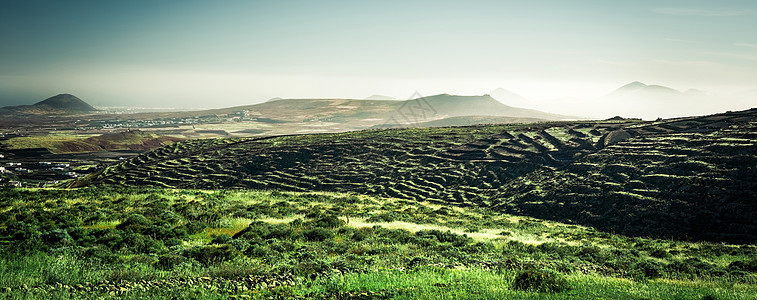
(62, 143)
(66, 102)
(373, 112)
(58, 104)
(686, 178)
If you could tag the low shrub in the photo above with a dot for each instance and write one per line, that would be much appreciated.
(211, 254)
(318, 234)
(326, 221)
(134, 223)
(221, 239)
(169, 261)
(744, 265)
(418, 261)
(542, 281)
(57, 238)
(649, 268)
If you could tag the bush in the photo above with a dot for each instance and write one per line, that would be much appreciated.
(318, 234)
(660, 253)
(327, 221)
(194, 227)
(691, 266)
(540, 281)
(57, 237)
(137, 243)
(258, 251)
(134, 222)
(649, 268)
(445, 237)
(746, 265)
(210, 254)
(258, 231)
(418, 261)
(221, 239)
(169, 261)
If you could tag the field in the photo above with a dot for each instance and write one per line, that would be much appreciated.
(59, 142)
(614, 209)
(156, 243)
(688, 178)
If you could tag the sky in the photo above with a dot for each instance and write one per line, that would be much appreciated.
(207, 54)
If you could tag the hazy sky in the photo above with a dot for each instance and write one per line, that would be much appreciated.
(224, 53)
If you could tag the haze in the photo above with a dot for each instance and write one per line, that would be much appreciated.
(203, 54)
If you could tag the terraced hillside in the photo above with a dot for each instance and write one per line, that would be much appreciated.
(688, 178)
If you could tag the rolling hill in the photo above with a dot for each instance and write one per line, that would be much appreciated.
(58, 104)
(379, 111)
(66, 102)
(685, 178)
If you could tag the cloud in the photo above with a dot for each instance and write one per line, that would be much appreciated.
(748, 45)
(677, 11)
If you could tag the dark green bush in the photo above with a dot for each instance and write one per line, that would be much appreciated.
(258, 251)
(362, 234)
(559, 249)
(138, 243)
(259, 231)
(318, 234)
(57, 238)
(445, 237)
(744, 265)
(134, 223)
(401, 236)
(659, 253)
(240, 244)
(194, 227)
(100, 253)
(650, 269)
(418, 261)
(108, 237)
(211, 254)
(221, 239)
(542, 281)
(691, 266)
(327, 221)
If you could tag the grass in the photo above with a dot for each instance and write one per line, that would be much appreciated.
(428, 251)
(417, 283)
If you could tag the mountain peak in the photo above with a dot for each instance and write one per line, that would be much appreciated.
(66, 102)
(632, 86)
(509, 98)
(380, 97)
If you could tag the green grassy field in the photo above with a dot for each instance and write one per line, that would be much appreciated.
(155, 243)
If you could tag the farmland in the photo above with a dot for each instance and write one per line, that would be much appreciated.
(620, 208)
(689, 178)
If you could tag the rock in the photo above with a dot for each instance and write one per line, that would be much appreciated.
(614, 137)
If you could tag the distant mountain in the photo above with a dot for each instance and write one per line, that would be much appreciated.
(638, 87)
(649, 102)
(509, 98)
(380, 97)
(66, 102)
(58, 104)
(455, 106)
(337, 115)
